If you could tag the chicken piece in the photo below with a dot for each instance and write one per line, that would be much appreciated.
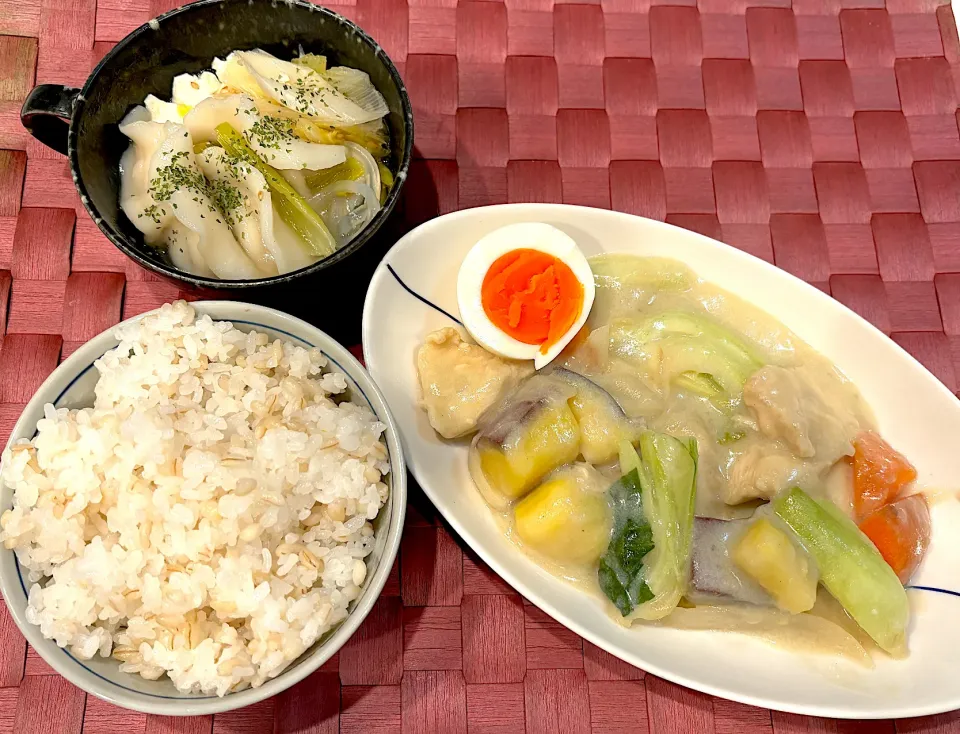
(460, 381)
(774, 395)
(759, 473)
(810, 413)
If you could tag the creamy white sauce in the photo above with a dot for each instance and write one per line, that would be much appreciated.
(636, 287)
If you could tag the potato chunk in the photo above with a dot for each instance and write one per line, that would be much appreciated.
(546, 438)
(567, 518)
(767, 554)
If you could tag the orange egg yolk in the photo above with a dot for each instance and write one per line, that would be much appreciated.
(532, 296)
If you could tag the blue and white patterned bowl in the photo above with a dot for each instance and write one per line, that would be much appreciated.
(71, 386)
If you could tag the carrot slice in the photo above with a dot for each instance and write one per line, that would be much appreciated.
(879, 473)
(901, 532)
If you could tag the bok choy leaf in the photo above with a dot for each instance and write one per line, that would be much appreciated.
(646, 567)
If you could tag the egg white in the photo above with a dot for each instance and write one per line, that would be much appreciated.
(525, 235)
(161, 111)
(188, 91)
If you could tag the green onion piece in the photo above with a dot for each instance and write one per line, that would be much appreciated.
(386, 182)
(292, 208)
(349, 170)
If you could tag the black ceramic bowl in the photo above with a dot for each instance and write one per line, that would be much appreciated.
(82, 123)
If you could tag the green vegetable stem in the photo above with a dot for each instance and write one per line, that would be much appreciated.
(851, 568)
(292, 208)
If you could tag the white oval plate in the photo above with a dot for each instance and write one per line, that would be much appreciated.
(916, 413)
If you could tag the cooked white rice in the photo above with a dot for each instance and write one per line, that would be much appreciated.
(208, 517)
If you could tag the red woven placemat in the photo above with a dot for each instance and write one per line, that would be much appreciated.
(822, 136)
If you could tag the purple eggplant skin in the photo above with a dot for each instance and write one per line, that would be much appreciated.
(536, 392)
(603, 423)
(588, 386)
(521, 406)
(715, 577)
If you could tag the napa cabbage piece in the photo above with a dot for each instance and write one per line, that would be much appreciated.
(356, 86)
(371, 135)
(621, 271)
(689, 350)
(312, 61)
(347, 198)
(646, 569)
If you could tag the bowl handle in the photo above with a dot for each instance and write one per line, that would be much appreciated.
(46, 113)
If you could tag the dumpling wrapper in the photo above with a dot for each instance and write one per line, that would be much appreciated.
(240, 111)
(199, 240)
(298, 87)
(269, 242)
(184, 251)
(136, 173)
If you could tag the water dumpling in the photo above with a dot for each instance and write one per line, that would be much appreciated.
(183, 247)
(180, 182)
(533, 433)
(149, 216)
(244, 199)
(247, 204)
(168, 199)
(270, 135)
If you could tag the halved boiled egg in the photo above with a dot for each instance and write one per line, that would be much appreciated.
(524, 291)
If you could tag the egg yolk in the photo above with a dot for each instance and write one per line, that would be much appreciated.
(532, 296)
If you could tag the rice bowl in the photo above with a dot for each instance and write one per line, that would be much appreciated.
(217, 519)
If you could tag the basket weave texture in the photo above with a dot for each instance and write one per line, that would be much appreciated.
(821, 135)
